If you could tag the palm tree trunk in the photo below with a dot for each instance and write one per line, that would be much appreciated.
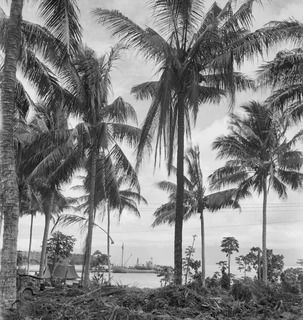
(229, 265)
(264, 225)
(89, 238)
(30, 242)
(48, 215)
(180, 194)
(10, 199)
(1, 219)
(108, 244)
(259, 265)
(203, 272)
(83, 262)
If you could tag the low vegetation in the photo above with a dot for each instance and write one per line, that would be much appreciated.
(246, 299)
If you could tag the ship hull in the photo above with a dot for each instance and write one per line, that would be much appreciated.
(131, 270)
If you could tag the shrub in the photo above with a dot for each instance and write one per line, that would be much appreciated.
(241, 291)
(225, 281)
(292, 280)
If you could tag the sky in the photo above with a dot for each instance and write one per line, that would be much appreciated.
(285, 216)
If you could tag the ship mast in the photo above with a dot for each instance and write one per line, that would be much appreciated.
(122, 258)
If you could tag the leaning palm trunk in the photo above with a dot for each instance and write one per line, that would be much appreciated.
(180, 194)
(202, 249)
(89, 238)
(10, 196)
(264, 249)
(48, 214)
(30, 242)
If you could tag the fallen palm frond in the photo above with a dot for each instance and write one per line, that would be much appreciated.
(169, 303)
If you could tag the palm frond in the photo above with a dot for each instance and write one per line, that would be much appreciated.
(123, 168)
(39, 39)
(222, 199)
(145, 90)
(292, 178)
(120, 111)
(133, 195)
(242, 18)
(128, 205)
(125, 133)
(284, 68)
(285, 95)
(62, 18)
(291, 160)
(165, 214)
(38, 74)
(147, 41)
(167, 186)
(227, 175)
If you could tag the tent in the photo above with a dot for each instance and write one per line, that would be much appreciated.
(61, 271)
(67, 272)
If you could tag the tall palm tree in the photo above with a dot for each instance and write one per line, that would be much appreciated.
(10, 197)
(103, 126)
(12, 31)
(195, 199)
(260, 157)
(196, 55)
(49, 160)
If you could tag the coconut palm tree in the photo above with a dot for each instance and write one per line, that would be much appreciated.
(260, 157)
(195, 199)
(283, 74)
(117, 174)
(12, 30)
(113, 172)
(50, 158)
(44, 58)
(196, 55)
(10, 198)
(103, 126)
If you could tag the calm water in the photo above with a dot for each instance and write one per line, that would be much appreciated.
(143, 280)
(140, 280)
